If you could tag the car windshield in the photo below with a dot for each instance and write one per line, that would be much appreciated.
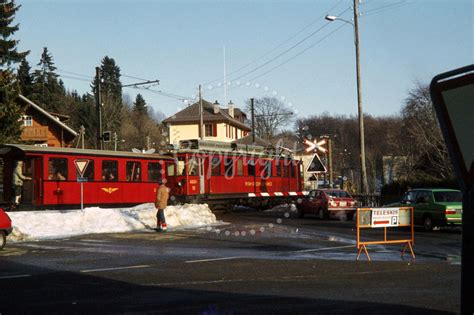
(447, 196)
(338, 193)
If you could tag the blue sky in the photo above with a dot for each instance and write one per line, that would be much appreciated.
(181, 44)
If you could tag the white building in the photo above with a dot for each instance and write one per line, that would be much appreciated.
(219, 124)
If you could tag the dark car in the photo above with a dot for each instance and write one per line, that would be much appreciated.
(325, 203)
(433, 207)
(5, 227)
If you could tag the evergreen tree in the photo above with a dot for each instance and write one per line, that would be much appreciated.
(111, 95)
(25, 80)
(140, 105)
(48, 91)
(8, 51)
(10, 129)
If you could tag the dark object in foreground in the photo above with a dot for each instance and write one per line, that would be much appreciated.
(5, 228)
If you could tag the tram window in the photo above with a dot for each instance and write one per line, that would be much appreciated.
(192, 166)
(278, 168)
(181, 166)
(267, 169)
(109, 171)
(170, 169)
(240, 167)
(286, 170)
(216, 166)
(154, 172)
(88, 172)
(292, 170)
(57, 169)
(229, 167)
(134, 171)
(251, 168)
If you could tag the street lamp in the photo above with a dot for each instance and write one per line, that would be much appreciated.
(363, 170)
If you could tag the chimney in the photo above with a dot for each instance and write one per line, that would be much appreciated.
(231, 109)
(216, 107)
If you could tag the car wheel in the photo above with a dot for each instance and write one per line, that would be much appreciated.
(428, 224)
(3, 239)
(321, 214)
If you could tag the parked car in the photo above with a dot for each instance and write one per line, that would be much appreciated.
(5, 228)
(326, 203)
(433, 207)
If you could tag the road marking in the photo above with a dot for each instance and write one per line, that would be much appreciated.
(320, 249)
(114, 268)
(15, 276)
(212, 259)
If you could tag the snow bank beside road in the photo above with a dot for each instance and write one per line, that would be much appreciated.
(36, 225)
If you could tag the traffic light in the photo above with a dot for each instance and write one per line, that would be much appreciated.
(106, 136)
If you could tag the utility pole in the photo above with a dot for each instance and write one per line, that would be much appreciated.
(330, 162)
(329, 159)
(82, 131)
(115, 141)
(201, 119)
(98, 107)
(252, 112)
(363, 170)
(148, 143)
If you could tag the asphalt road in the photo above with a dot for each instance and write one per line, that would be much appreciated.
(254, 263)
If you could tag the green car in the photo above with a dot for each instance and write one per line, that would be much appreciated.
(434, 207)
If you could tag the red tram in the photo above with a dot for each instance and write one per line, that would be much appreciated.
(224, 174)
(110, 177)
(217, 173)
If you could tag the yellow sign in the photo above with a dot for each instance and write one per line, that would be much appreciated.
(258, 184)
(109, 190)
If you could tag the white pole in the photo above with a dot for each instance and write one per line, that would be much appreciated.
(225, 81)
(201, 119)
(82, 197)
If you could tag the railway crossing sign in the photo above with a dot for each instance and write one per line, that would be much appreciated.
(314, 146)
(81, 166)
(453, 94)
(316, 166)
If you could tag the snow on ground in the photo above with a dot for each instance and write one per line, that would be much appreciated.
(49, 224)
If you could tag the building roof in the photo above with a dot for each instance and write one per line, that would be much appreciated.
(237, 112)
(49, 116)
(19, 150)
(248, 141)
(191, 115)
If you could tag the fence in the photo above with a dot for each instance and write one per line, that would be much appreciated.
(395, 218)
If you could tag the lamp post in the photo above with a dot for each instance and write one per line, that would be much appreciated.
(363, 170)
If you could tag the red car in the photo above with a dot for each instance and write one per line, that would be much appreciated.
(327, 203)
(5, 227)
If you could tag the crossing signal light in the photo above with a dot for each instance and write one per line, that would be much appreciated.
(106, 136)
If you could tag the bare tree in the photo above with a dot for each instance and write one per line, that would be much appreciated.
(271, 115)
(425, 142)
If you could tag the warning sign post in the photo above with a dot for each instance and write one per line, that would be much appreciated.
(373, 218)
(81, 166)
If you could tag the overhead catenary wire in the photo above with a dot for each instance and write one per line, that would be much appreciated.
(387, 7)
(299, 53)
(286, 50)
(86, 78)
(279, 45)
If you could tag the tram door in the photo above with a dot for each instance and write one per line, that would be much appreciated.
(32, 168)
(201, 176)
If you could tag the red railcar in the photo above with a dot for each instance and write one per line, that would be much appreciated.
(110, 178)
(223, 174)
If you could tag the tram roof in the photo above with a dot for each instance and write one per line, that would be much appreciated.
(17, 150)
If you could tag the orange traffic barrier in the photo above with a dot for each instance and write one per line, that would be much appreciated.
(375, 218)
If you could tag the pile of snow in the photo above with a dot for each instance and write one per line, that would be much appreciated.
(47, 224)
